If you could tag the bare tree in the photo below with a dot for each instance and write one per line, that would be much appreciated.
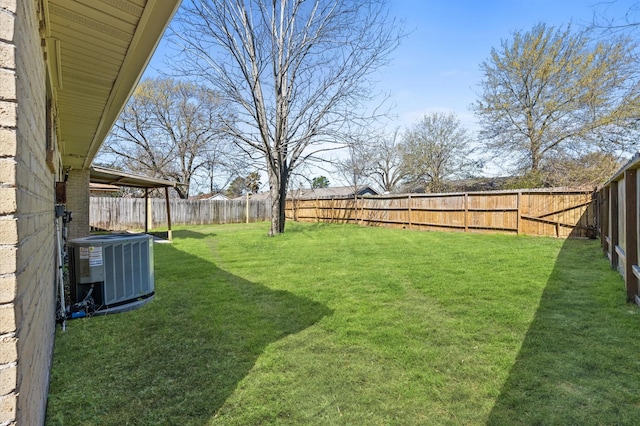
(607, 20)
(297, 71)
(354, 167)
(435, 149)
(169, 129)
(385, 162)
(222, 162)
(586, 171)
(548, 91)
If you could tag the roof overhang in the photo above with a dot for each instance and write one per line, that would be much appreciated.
(96, 53)
(103, 187)
(116, 177)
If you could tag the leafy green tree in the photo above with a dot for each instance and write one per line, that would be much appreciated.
(320, 182)
(236, 187)
(435, 149)
(550, 93)
(252, 182)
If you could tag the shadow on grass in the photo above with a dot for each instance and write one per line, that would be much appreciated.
(187, 233)
(580, 360)
(177, 359)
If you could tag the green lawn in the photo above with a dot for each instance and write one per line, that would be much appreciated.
(338, 324)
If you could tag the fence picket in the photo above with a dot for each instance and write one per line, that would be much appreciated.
(560, 213)
(120, 214)
(532, 212)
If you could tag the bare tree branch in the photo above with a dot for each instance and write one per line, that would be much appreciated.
(436, 149)
(171, 130)
(297, 72)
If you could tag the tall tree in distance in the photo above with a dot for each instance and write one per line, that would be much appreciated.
(222, 162)
(550, 93)
(385, 161)
(296, 71)
(247, 185)
(253, 182)
(586, 171)
(169, 129)
(435, 149)
(354, 167)
(320, 182)
(236, 188)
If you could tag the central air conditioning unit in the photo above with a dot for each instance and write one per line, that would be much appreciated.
(114, 272)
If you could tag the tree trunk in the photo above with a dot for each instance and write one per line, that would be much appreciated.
(535, 162)
(278, 192)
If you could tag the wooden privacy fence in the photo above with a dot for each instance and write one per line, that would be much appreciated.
(618, 228)
(559, 213)
(119, 214)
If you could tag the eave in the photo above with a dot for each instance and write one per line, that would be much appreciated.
(96, 52)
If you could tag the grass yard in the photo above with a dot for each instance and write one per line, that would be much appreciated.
(339, 324)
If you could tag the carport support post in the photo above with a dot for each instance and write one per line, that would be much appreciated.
(147, 211)
(631, 233)
(166, 197)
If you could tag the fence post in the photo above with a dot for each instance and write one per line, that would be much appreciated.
(466, 212)
(519, 212)
(332, 210)
(603, 221)
(409, 209)
(631, 233)
(613, 220)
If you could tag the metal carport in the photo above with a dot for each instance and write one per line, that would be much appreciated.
(117, 177)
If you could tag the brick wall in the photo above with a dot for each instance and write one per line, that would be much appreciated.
(27, 242)
(8, 225)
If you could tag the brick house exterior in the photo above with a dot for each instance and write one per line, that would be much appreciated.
(41, 144)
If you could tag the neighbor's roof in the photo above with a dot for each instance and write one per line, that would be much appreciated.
(96, 52)
(117, 177)
(210, 196)
(258, 196)
(332, 192)
(310, 193)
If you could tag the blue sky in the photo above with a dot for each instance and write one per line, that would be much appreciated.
(437, 66)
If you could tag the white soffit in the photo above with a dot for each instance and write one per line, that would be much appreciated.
(97, 51)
